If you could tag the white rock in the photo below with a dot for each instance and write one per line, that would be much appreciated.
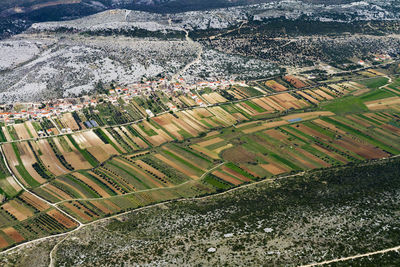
(211, 250)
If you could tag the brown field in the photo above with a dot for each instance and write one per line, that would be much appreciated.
(3, 242)
(238, 154)
(34, 201)
(285, 101)
(21, 131)
(105, 131)
(275, 86)
(13, 234)
(388, 134)
(391, 128)
(119, 179)
(241, 125)
(376, 72)
(211, 142)
(73, 157)
(111, 205)
(330, 153)
(262, 104)
(296, 82)
(249, 171)
(314, 95)
(125, 137)
(78, 211)
(308, 97)
(61, 218)
(323, 94)
(264, 126)
(188, 101)
(189, 125)
(139, 142)
(212, 133)
(383, 103)
(302, 160)
(240, 117)
(236, 95)
(190, 161)
(18, 210)
(52, 190)
(87, 139)
(155, 140)
(28, 159)
(154, 182)
(50, 159)
(68, 120)
(222, 116)
(376, 117)
(190, 120)
(102, 152)
(149, 168)
(165, 121)
(247, 109)
(235, 174)
(214, 98)
(269, 101)
(273, 168)
(68, 186)
(358, 120)
(222, 148)
(311, 132)
(200, 113)
(296, 103)
(12, 160)
(313, 157)
(31, 129)
(92, 184)
(106, 183)
(365, 151)
(205, 151)
(227, 178)
(175, 166)
(276, 134)
(329, 126)
(101, 207)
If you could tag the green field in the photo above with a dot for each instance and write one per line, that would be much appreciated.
(374, 83)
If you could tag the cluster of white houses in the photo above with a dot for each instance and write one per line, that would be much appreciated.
(46, 109)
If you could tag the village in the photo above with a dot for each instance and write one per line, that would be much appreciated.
(18, 112)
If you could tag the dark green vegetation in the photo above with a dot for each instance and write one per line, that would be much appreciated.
(322, 215)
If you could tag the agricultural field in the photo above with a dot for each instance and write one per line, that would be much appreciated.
(247, 134)
(277, 222)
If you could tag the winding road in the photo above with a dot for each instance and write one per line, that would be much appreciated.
(196, 60)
